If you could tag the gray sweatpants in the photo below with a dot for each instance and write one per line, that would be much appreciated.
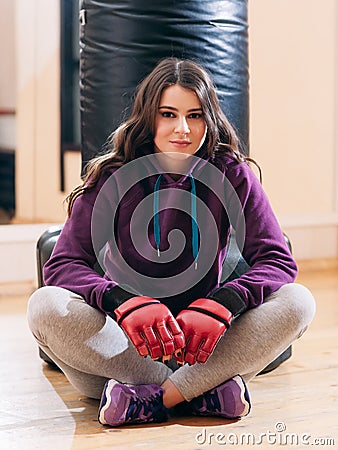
(90, 347)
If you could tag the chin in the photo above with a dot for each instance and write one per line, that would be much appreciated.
(177, 155)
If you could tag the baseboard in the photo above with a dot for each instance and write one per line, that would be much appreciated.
(16, 288)
(18, 251)
(313, 237)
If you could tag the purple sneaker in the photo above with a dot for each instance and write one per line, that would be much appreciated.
(123, 404)
(229, 400)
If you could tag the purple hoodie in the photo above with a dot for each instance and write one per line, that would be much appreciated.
(167, 238)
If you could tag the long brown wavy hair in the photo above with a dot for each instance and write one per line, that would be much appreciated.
(135, 136)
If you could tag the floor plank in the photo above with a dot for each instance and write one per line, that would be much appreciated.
(299, 400)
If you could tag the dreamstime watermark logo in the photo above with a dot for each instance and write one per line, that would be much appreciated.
(124, 211)
(279, 436)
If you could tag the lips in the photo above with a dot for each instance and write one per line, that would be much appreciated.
(180, 142)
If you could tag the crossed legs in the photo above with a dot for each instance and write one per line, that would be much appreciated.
(91, 348)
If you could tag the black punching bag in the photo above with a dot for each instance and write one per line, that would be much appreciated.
(122, 41)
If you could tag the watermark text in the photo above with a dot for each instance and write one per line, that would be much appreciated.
(278, 436)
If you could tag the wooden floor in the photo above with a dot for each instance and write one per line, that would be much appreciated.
(296, 404)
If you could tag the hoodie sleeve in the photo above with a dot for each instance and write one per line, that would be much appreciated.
(264, 247)
(87, 230)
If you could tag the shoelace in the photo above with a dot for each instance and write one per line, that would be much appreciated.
(209, 401)
(146, 408)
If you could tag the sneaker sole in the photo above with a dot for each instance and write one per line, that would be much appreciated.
(244, 395)
(107, 392)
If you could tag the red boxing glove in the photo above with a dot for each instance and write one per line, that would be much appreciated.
(150, 326)
(203, 324)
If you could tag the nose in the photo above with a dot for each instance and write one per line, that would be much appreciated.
(182, 126)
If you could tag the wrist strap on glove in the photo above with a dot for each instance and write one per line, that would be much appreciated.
(214, 316)
(212, 309)
(230, 299)
(131, 305)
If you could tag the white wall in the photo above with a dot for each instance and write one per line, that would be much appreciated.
(293, 102)
(293, 110)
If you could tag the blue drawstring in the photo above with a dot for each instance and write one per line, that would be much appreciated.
(194, 226)
(157, 229)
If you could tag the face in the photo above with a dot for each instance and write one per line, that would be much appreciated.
(180, 127)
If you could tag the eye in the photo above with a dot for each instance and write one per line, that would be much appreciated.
(167, 114)
(195, 116)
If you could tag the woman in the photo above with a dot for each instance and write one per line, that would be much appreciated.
(163, 329)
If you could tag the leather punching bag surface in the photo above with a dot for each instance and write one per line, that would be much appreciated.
(121, 42)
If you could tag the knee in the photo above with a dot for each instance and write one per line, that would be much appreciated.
(36, 304)
(301, 302)
(40, 307)
(40, 299)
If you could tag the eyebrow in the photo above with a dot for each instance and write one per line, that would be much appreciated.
(175, 109)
